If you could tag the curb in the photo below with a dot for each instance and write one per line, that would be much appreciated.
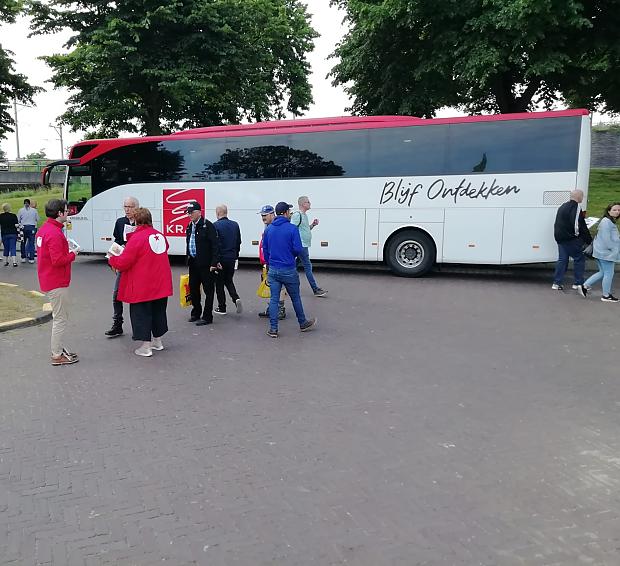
(42, 317)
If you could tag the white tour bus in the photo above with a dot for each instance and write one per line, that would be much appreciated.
(406, 191)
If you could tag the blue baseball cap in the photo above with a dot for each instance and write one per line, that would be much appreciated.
(282, 207)
(267, 209)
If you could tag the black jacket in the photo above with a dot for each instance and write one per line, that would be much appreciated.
(119, 230)
(229, 236)
(207, 246)
(564, 227)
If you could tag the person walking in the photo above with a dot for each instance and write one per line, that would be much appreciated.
(229, 238)
(28, 218)
(203, 257)
(305, 227)
(123, 226)
(606, 251)
(571, 234)
(146, 283)
(54, 271)
(8, 232)
(281, 246)
(268, 214)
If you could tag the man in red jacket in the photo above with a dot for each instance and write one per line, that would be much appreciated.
(54, 270)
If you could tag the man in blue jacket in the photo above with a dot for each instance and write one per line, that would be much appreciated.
(281, 246)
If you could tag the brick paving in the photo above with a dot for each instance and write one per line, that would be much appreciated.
(452, 420)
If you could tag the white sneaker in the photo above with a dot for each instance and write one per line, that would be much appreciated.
(144, 350)
(239, 306)
(31, 261)
(23, 260)
(157, 345)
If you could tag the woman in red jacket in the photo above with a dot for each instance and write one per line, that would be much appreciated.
(146, 283)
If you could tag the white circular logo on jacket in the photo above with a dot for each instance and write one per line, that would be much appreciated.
(39, 241)
(157, 243)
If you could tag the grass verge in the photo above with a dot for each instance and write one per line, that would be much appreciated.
(18, 303)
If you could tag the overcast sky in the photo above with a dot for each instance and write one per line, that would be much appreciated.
(35, 132)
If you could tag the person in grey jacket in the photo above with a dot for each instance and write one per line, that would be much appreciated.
(606, 251)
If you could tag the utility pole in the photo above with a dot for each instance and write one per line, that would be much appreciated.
(16, 127)
(58, 130)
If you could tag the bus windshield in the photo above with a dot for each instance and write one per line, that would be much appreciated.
(79, 188)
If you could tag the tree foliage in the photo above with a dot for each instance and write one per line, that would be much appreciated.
(13, 86)
(151, 66)
(416, 56)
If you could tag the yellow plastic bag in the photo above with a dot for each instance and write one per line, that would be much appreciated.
(263, 290)
(184, 295)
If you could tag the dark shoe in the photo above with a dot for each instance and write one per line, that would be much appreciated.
(582, 290)
(609, 298)
(218, 310)
(203, 322)
(6, 264)
(281, 313)
(264, 314)
(115, 331)
(64, 360)
(69, 354)
(318, 292)
(272, 332)
(193, 318)
(308, 325)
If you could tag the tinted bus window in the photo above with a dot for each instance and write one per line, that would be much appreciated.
(513, 146)
(408, 151)
(253, 157)
(329, 154)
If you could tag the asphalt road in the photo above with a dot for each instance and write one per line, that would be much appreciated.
(451, 420)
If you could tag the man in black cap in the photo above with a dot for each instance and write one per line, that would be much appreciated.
(202, 258)
(281, 246)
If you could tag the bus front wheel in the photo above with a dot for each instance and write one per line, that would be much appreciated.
(410, 253)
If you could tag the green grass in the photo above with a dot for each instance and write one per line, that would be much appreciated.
(18, 303)
(41, 196)
(604, 189)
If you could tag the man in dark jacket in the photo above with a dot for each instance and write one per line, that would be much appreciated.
(281, 246)
(123, 226)
(203, 257)
(229, 237)
(571, 234)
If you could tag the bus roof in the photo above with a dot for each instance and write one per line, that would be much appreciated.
(95, 148)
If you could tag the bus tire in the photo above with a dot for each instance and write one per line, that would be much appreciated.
(410, 253)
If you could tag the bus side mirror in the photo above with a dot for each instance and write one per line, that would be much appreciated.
(45, 176)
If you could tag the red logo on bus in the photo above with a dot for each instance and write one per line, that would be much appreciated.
(175, 203)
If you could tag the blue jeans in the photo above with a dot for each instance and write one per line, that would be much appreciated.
(9, 242)
(304, 257)
(27, 247)
(605, 272)
(574, 249)
(290, 279)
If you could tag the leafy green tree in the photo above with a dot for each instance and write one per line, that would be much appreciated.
(36, 155)
(152, 66)
(2, 155)
(415, 56)
(13, 86)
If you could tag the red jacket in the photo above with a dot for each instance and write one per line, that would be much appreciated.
(144, 263)
(53, 256)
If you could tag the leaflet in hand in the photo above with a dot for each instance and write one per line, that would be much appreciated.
(115, 250)
(73, 245)
(128, 229)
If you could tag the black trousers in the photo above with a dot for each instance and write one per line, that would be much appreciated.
(225, 279)
(148, 319)
(201, 276)
(117, 305)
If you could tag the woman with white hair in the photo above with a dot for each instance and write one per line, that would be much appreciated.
(8, 230)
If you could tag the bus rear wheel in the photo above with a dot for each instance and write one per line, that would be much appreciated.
(410, 253)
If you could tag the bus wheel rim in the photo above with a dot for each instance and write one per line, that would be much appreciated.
(409, 254)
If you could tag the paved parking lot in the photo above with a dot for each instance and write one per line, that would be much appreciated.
(452, 420)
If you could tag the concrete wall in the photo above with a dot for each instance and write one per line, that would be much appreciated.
(21, 178)
(605, 149)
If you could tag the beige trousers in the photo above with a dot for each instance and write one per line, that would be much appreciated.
(59, 299)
